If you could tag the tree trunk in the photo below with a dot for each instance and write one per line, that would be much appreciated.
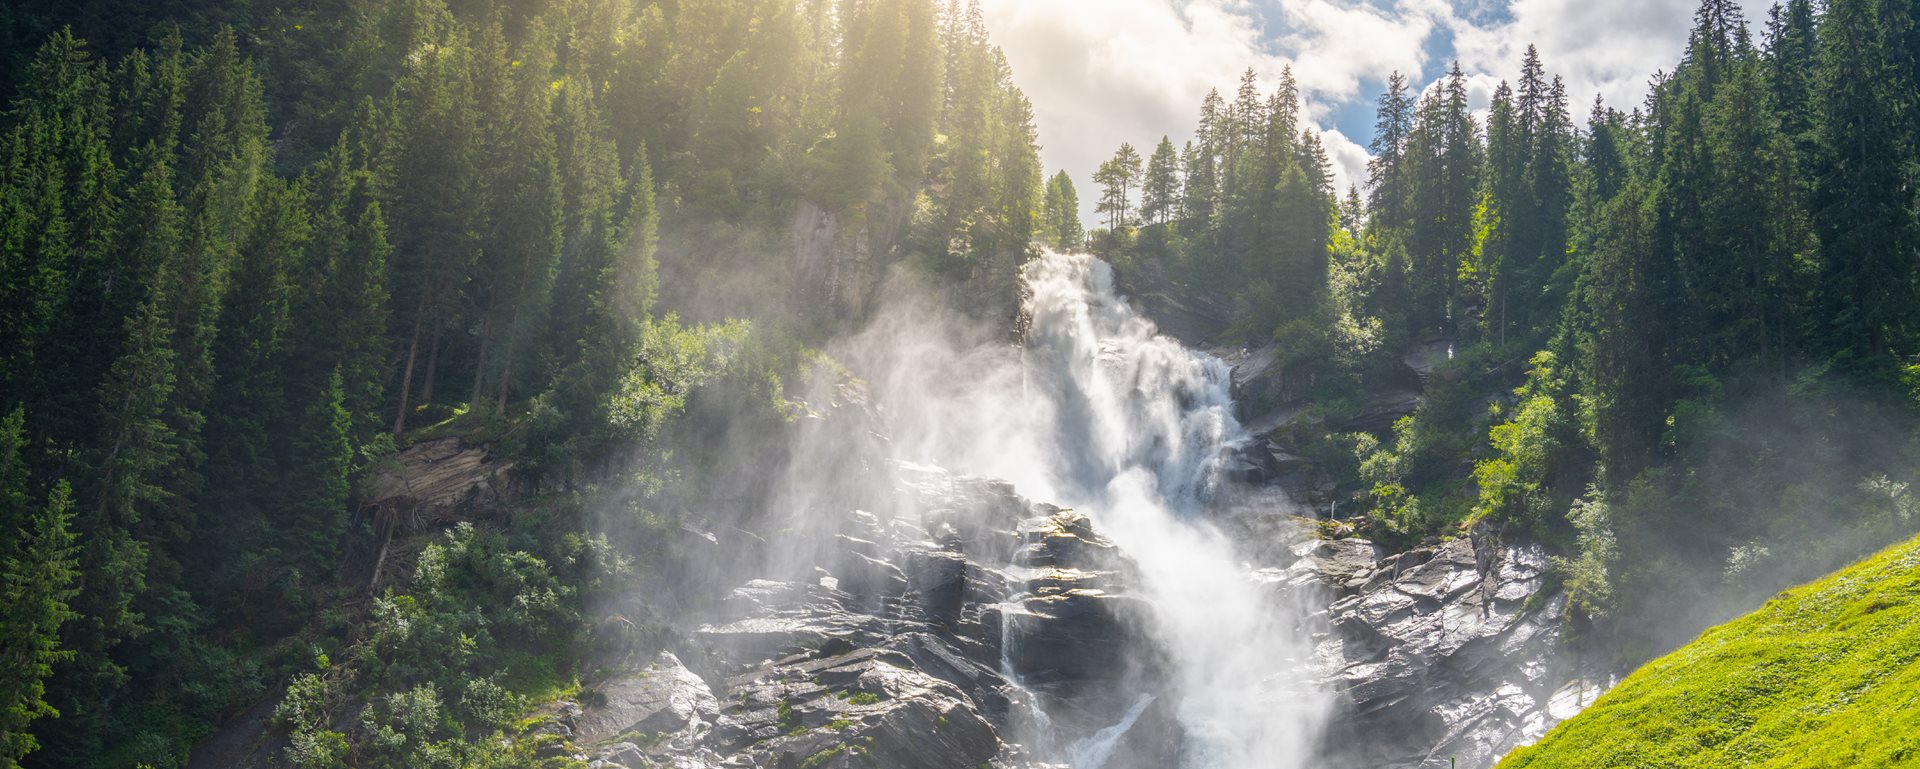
(433, 368)
(480, 363)
(406, 380)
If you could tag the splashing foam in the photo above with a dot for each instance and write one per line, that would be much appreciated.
(1101, 413)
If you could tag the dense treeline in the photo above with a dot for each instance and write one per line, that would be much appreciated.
(1707, 303)
(1246, 206)
(239, 270)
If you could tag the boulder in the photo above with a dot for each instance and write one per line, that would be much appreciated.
(940, 579)
(665, 700)
(1441, 657)
(864, 708)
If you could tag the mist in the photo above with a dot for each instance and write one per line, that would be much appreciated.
(1095, 412)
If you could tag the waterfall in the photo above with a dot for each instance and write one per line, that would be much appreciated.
(1099, 412)
(1141, 424)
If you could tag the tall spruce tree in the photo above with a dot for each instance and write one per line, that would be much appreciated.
(38, 567)
(1862, 207)
(1061, 228)
(1160, 187)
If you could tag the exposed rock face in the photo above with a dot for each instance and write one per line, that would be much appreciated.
(904, 649)
(1197, 318)
(1073, 624)
(891, 652)
(666, 701)
(1443, 657)
(867, 707)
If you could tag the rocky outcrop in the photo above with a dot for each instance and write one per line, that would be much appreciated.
(665, 703)
(895, 650)
(866, 707)
(1195, 317)
(1072, 625)
(980, 628)
(1446, 656)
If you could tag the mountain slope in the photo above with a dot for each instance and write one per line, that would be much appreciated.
(1822, 676)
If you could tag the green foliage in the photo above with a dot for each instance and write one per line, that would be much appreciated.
(1060, 216)
(38, 565)
(1821, 676)
(672, 362)
(1589, 575)
(484, 631)
(213, 335)
(1535, 452)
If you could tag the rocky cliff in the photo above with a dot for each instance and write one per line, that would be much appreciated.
(972, 627)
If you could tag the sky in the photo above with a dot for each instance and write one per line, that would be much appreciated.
(1102, 72)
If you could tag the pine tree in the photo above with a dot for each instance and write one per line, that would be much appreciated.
(1504, 210)
(1299, 254)
(1861, 204)
(592, 188)
(1387, 189)
(427, 178)
(1117, 179)
(1605, 161)
(1160, 188)
(520, 190)
(59, 201)
(1793, 58)
(1201, 188)
(1017, 181)
(38, 567)
(1552, 199)
(1062, 228)
(255, 397)
(318, 473)
(339, 306)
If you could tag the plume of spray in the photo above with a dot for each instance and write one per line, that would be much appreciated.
(1099, 412)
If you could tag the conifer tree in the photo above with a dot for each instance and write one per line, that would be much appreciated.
(1387, 188)
(427, 180)
(1201, 187)
(1862, 208)
(59, 201)
(521, 192)
(1062, 228)
(37, 571)
(340, 306)
(318, 472)
(1160, 187)
(1118, 178)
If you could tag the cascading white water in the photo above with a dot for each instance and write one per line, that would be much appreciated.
(1101, 413)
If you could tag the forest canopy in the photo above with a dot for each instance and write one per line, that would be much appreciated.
(253, 248)
(252, 251)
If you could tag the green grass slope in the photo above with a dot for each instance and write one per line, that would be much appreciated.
(1824, 675)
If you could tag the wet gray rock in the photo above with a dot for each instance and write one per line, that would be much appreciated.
(903, 646)
(1183, 311)
(940, 579)
(1074, 622)
(665, 701)
(1447, 657)
(868, 707)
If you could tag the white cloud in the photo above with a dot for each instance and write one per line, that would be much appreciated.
(1349, 161)
(1102, 72)
(1608, 48)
